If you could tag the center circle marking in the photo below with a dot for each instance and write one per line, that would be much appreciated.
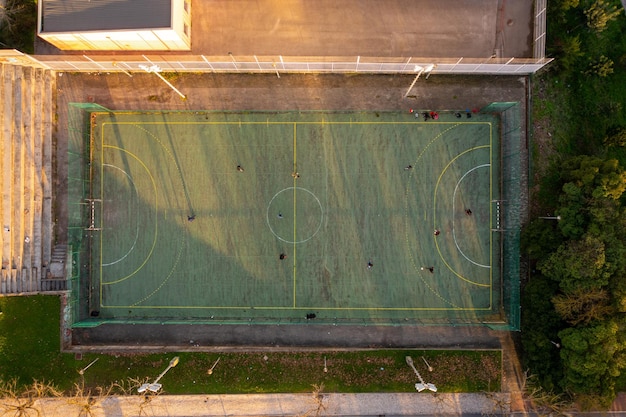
(292, 226)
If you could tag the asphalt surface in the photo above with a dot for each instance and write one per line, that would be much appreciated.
(368, 28)
(233, 337)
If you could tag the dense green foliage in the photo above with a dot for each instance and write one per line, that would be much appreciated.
(18, 22)
(573, 328)
(30, 350)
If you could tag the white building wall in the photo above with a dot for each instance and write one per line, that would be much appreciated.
(176, 37)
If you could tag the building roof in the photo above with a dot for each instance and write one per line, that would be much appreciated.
(374, 28)
(103, 15)
(428, 29)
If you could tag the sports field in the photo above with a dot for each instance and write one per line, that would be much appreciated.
(375, 217)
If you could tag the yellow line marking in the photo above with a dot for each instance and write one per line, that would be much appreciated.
(101, 209)
(435, 220)
(406, 196)
(267, 122)
(491, 216)
(181, 241)
(157, 289)
(322, 122)
(154, 240)
(247, 306)
(295, 180)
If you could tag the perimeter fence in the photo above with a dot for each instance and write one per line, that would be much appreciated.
(510, 207)
(507, 230)
(279, 64)
(78, 208)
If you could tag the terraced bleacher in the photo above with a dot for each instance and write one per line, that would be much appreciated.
(26, 238)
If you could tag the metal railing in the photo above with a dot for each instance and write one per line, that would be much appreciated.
(280, 64)
(539, 40)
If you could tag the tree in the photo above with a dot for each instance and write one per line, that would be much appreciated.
(22, 402)
(18, 22)
(593, 357)
(540, 327)
(617, 287)
(616, 137)
(570, 47)
(583, 306)
(577, 265)
(88, 400)
(596, 177)
(611, 181)
(599, 14)
(602, 67)
(543, 401)
(568, 4)
(318, 400)
(607, 223)
(540, 237)
(572, 212)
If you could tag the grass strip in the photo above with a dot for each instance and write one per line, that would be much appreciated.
(30, 350)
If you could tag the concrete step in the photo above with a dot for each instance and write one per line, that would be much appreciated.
(3, 179)
(54, 285)
(17, 191)
(47, 228)
(37, 206)
(59, 252)
(7, 162)
(25, 282)
(26, 111)
(9, 281)
(58, 263)
(26, 234)
(28, 170)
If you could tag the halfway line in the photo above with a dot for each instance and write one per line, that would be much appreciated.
(295, 179)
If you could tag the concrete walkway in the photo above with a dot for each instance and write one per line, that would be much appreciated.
(252, 405)
(405, 404)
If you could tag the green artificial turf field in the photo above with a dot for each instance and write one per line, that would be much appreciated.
(366, 217)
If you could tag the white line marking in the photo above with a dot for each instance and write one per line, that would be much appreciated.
(454, 211)
(318, 226)
(136, 226)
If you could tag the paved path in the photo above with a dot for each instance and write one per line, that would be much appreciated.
(406, 404)
(253, 405)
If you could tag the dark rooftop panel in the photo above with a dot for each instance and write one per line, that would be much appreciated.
(101, 15)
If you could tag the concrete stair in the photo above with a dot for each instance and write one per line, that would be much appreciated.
(26, 237)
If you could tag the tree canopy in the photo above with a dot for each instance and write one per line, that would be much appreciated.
(584, 255)
(593, 356)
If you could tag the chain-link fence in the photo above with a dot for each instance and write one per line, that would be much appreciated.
(506, 233)
(509, 208)
(78, 209)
